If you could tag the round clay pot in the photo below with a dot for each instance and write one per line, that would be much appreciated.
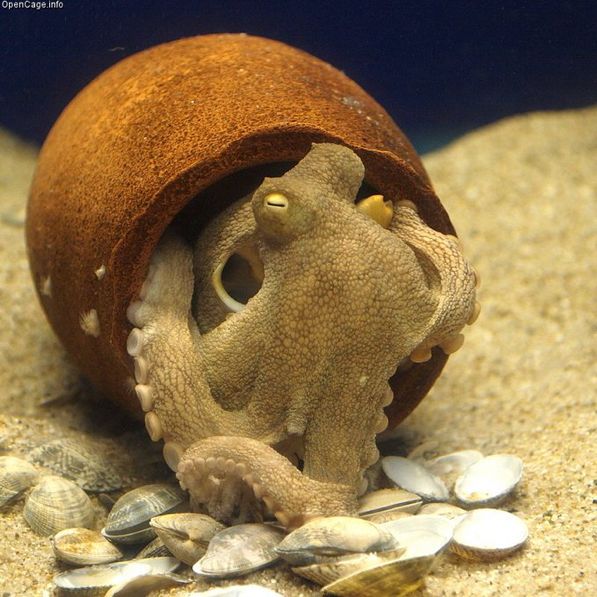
(190, 125)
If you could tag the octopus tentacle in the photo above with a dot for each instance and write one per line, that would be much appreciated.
(290, 495)
(449, 276)
(177, 400)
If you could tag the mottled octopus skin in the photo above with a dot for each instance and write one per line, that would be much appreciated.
(305, 365)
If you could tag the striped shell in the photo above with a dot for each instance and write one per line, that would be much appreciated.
(16, 475)
(56, 504)
(128, 521)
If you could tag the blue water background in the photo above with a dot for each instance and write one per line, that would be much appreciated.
(440, 68)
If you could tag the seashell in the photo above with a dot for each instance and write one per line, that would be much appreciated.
(83, 547)
(448, 511)
(388, 500)
(16, 475)
(186, 535)
(396, 578)
(197, 147)
(421, 535)
(387, 516)
(238, 591)
(144, 585)
(453, 463)
(334, 536)
(72, 460)
(424, 452)
(488, 534)
(55, 504)
(128, 521)
(326, 572)
(154, 549)
(489, 481)
(239, 550)
(96, 580)
(414, 477)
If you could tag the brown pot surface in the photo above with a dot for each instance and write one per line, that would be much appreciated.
(154, 132)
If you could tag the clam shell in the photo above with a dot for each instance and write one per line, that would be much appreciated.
(239, 550)
(332, 537)
(93, 578)
(143, 585)
(128, 521)
(488, 534)
(154, 549)
(395, 578)
(72, 460)
(489, 481)
(421, 535)
(453, 463)
(388, 500)
(16, 475)
(442, 509)
(186, 535)
(83, 547)
(324, 573)
(424, 452)
(414, 477)
(55, 504)
(387, 516)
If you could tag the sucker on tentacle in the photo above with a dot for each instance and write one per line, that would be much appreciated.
(268, 474)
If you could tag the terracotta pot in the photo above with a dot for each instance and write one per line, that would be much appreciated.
(190, 124)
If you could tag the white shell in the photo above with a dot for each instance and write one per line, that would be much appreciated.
(488, 534)
(187, 534)
(239, 550)
(414, 477)
(422, 535)
(448, 511)
(146, 584)
(55, 504)
(83, 547)
(16, 475)
(424, 452)
(388, 500)
(455, 462)
(109, 575)
(334, 536)
(489, 481)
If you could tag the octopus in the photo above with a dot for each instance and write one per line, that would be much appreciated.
(277, 399)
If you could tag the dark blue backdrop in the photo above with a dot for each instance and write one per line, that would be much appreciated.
(439, 68)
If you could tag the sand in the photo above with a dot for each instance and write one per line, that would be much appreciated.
(522, 195)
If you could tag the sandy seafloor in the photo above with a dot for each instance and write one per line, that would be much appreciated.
(522, 195)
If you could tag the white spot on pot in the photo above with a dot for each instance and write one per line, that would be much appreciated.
(89, 323)
(100, 272)
(45, 286)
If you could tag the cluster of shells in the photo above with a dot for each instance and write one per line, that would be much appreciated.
(149, 535)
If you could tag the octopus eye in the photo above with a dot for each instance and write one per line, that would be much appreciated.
(275, 201)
